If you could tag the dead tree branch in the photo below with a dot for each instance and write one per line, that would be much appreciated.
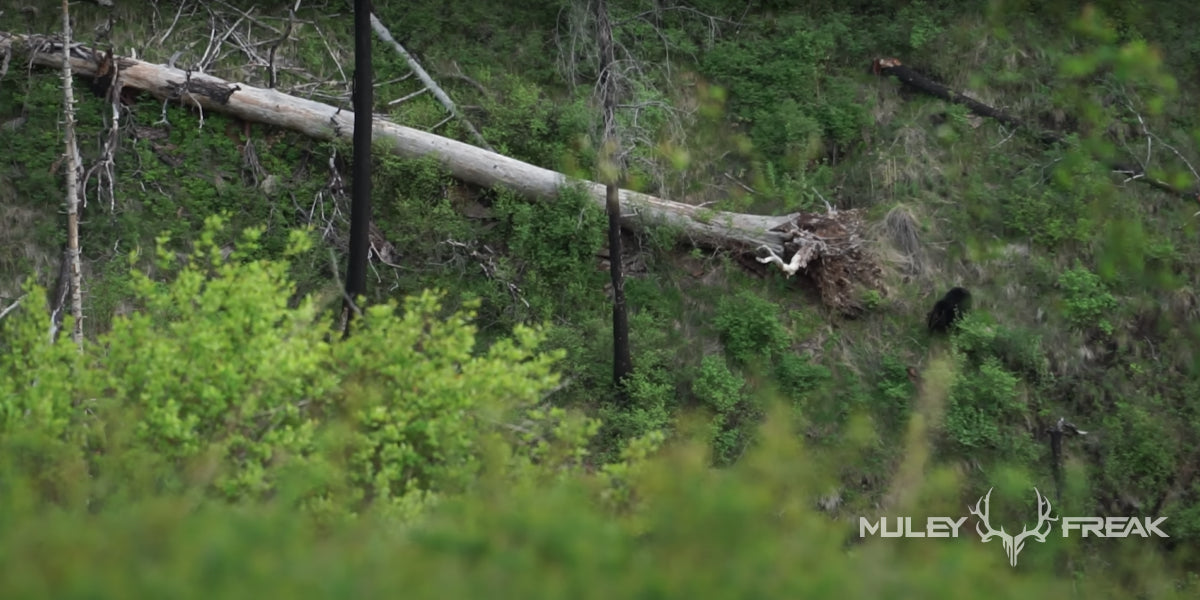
(914, 79)
(428, 81)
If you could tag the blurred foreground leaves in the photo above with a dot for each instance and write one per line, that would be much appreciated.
(221, 442)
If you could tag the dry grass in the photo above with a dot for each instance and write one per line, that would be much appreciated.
(21, 254)
(899, 237)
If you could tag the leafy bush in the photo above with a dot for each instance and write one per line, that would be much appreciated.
(716, 386)
(650, 395)
(667, 525)
(1019, 350)
(1139, 453)
(1086, 299)
(982, 404)
(1055, 214)
(721, 390)
(749, 327)
(797, 376)
(894, 392)
(529, 124)
(216, 367)
(781, 85)
(554, 245)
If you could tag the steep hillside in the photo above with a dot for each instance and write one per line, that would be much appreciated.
(1074, 231)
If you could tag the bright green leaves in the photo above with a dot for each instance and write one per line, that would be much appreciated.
(216, 364)
(1086, 300)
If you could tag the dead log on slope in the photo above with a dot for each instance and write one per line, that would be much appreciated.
(914, 79)
(464, 161)
(742, 233)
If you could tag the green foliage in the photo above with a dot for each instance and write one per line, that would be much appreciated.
(216, 366)
(1020, 350)
(716, 386)
(651, 398)
(982, 404)
(1086, 300)
(894, 392)
(798, 376)
(525, 536)
(218, 383)
(527, 123)
(924, 26)
(720, 390)
(554, 246)
(996, 366)
(1140, 453)
(782, 87)
(749, 327)
(1056, 214)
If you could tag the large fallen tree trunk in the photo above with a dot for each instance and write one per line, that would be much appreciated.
(469, 163)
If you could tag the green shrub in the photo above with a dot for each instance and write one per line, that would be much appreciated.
(1087, 300)
(650, 396)
(668, 526)
(554, 247)
(894, 392)
(1020, 350)
(798, 376)
(1139, 454)
(216, 367)
(983, 404)
(749, 327)
(781, 84)
(716, 386)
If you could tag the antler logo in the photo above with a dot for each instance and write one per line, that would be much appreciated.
(1013, 544)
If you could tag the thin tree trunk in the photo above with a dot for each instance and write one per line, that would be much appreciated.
(72, 176)
(360, 209)
(734, 231)
(609, 161)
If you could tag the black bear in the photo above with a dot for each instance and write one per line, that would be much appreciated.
(947, 311)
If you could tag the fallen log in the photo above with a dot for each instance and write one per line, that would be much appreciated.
(914, 79)
(740, 232)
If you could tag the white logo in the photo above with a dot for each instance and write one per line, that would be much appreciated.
(1112, 527)
(1013, 545)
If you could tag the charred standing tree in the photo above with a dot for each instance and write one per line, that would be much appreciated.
(610, 162)
(360, 203)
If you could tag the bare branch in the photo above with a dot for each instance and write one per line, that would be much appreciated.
(11, 307)
(432, 85)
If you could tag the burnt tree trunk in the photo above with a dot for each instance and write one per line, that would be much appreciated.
(360, 193)
(610, 161)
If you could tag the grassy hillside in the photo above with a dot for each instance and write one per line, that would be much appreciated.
(194, 413)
